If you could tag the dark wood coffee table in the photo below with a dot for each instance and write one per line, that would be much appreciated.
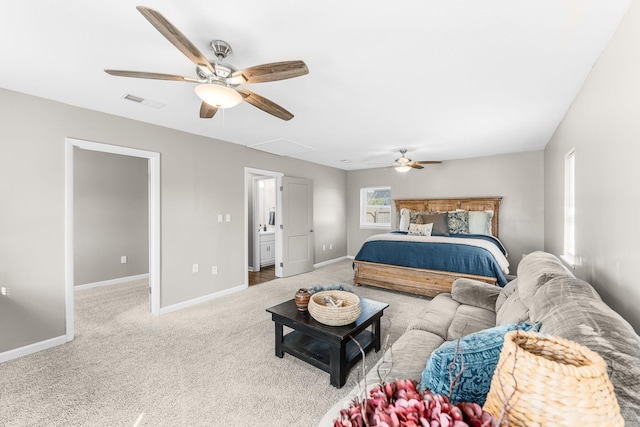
(329, 348)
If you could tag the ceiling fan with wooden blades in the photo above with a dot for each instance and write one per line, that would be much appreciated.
(404, 164)
(218, 81)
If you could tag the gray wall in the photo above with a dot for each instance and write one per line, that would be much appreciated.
(603, 125)
(518, 178)
(197, 183)
(111, 216)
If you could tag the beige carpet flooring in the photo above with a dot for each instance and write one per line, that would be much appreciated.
(208, 365)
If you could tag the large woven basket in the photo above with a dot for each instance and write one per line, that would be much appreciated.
(335, 316)
(551, 381)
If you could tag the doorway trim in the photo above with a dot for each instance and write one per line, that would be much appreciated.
(248, 180)
(154, 222)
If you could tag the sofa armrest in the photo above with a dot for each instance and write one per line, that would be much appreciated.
(475, 293)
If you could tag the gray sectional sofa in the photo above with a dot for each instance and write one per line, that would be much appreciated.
(544, 291)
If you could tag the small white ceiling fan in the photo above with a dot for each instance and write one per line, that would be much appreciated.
(404, 164)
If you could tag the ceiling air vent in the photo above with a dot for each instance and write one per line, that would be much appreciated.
(147, 102)
(281, 147)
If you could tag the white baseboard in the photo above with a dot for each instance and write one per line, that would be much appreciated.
(331, 261)
(32, 348)
(351, 256)
(200, 300)
(111, 282)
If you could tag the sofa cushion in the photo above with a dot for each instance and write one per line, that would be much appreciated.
(436, 316)
(470, 319)
(408, 354)
(512, 311)
(570, 308)
(506, 292)
(476, 293)
(476, 356)
(509, 305)
(535, 270)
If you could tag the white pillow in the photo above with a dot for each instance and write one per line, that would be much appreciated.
(420, 229)
(404, 220)
(480, 222)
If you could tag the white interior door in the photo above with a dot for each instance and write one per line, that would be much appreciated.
(296, 226)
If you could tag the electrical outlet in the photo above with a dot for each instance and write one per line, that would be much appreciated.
(4, 291)
(219, 217)
(324, 247)
(194, 268)
(214, 269)
(330, 245)
(123, 259)
(228, 218)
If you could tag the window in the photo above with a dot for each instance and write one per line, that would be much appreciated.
(570, 207)
(375, 207)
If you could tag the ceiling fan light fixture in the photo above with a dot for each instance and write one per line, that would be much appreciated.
(218, 95)
(403, 168)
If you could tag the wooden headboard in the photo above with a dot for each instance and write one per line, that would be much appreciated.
(444, 205)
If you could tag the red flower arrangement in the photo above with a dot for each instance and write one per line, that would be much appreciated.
(400, 404)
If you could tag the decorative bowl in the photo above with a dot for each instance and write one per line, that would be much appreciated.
(335, 316)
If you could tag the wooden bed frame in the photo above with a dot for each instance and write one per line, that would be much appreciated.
(416, 280)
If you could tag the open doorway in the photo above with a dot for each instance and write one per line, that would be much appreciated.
(262, 234)
(153, 166)
(110, 219)
(262, 260)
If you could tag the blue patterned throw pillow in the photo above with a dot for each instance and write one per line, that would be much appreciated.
(480, 353)
(458, 222)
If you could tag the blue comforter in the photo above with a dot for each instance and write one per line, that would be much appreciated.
(451, 257)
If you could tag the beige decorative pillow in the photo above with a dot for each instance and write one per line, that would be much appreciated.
(420, 229)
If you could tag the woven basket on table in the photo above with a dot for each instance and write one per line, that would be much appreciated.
(335, 316)
(554, 382)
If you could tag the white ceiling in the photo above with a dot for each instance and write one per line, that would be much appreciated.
(446, 79)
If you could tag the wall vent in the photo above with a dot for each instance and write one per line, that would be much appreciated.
(143, 101)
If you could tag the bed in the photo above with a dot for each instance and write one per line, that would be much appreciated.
(384, 260)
